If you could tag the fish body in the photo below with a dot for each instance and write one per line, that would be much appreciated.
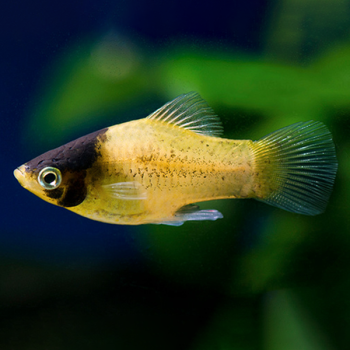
(152, 170)
(169, 168)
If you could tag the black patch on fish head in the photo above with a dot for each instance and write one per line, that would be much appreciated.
(73, 160)
(72, 191)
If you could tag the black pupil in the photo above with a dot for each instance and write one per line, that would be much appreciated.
(49, 178)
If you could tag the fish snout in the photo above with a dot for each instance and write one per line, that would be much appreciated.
(19, 174)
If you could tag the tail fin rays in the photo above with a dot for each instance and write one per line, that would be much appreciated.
(298, 166)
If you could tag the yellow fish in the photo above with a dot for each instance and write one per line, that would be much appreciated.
(152, 170)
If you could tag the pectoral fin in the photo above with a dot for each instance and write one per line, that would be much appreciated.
(132, 190)
(192, 213)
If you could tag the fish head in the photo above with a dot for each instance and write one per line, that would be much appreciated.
(57, 186)
(59, 176)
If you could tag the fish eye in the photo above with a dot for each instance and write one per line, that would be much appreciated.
(50, 178)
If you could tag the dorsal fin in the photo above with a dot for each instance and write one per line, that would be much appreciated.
(191, 112)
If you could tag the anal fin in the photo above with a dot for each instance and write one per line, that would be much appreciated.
(192, 213)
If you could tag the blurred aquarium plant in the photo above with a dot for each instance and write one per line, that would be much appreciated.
(255, 249)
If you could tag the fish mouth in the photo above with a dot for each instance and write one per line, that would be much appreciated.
(19, 174)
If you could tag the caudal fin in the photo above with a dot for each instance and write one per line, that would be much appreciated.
(295, 167)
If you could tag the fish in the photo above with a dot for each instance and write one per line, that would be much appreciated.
(157, 169)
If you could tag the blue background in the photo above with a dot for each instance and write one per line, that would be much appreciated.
(259, 278)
